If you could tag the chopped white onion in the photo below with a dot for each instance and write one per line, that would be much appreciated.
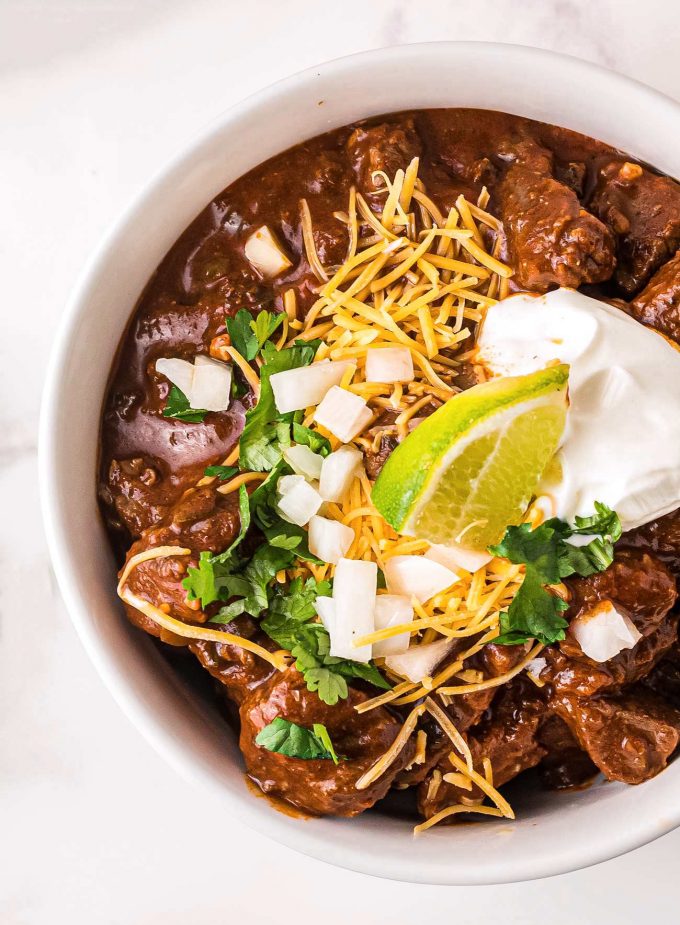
(297, 501)
(354, 587)
(295, 389)
(389, 364)
(536, 666)
(325, 608)
(329, 540)
(265, 253)
(211, 388)
(417, 576)
(604, 632)
(392, 610)
(303, 461)
(338, 471)
(343, 413)
(455, 556)
(205, 382)
(420, 661)
(179, 372)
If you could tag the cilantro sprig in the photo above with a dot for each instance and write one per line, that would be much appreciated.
(177, 406)
(248, 335)
(221, 472)
(535, 613)
(294, 741)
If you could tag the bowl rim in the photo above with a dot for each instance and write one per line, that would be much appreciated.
(256, 813)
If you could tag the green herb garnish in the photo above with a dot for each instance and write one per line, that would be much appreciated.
(221, 472)
(289, 625)
(535, 613)
(295, 741)
(249, 334)
(178, 407)
(266, 431)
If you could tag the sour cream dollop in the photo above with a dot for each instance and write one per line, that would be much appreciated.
(621, 444)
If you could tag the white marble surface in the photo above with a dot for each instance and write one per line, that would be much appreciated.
(94, 94)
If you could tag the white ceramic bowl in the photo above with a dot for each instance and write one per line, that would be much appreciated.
(554, 832)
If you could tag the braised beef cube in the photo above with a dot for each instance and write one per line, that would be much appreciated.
(465, 710)
(319, 786)
(658, 305)
(636, 581)
(583, 677)
(661, 537)
(375, 460)
(387, 148)
(664, 678)
(203, 520)
(641, 587)
(552, 240)
(239, 670)
(630, 737)
(138, 493)
(507, 736)
(572, 175)
(643, 211)
(565, 764)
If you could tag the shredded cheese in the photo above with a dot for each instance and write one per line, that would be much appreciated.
(393, 752)
(453, 810)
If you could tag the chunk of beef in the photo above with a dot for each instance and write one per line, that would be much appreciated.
(387, 147)
(664, 678)
(565, 764)
(630, 737)
(552, 240)
(136, 495)
(237, 669)
(661, 537)
(643, 211)
(374, 460)
(583, 677)
(204, 520)
(641, 587)
(635, 581)
(658, 305)
(507, 736)
(465, 710)
(319, 786)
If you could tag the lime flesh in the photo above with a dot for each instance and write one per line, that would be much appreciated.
(470, 469)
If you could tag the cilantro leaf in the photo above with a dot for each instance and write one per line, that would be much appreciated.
(292, 606)
(241, 334)
(604, 521)
(244, 514)
(539, 548)
(309, 644)
(251, 585)
(322, 733)
(178, 407)
(266, 430)
(534, 613)
(287, 738)
(221, 472)
(200, 583)
(315, 441)
(327, 684)
(586, 560)
(264, 325)
(549, 557)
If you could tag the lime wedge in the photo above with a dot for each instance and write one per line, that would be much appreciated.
(470, 469)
